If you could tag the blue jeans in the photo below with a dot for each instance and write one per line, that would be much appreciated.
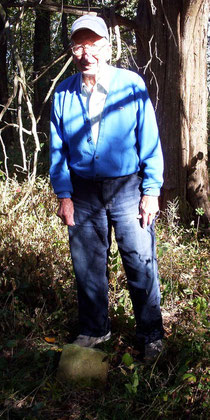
(99, 205)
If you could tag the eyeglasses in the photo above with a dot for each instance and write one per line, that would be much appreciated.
(93, 49)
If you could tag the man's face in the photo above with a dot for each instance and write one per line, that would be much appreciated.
(90, 62)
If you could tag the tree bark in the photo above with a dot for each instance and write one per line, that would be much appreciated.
(171, 42)
(41, 57)
(7, 134)
(64, 31)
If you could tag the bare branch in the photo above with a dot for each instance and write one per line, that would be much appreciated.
(6, 106)
(54, 7)
(23, 92)
(132, 57)
(6, 168)
(16, 126)
(153, 7)
(169, 26)
(76, 11)
(53, 85)
(59, 22)
(28, 193)
(33, 122)
(148, 65)
(117, 31)
(52, 63)
(20, 96)
(119, 44)
(5, 155)
(19, 18)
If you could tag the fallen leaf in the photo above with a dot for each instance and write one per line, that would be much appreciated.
(50, 339)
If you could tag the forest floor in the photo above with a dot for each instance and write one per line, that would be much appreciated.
(38, 316)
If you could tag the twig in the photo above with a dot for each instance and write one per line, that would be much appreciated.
(21, 80)
(131, 54)
(15, 126)
(53, 85)
(111, 43)
(153, 7)
(9, 109)
(19, 18)
(148, 65)
(76, 11)
(54, 7)
(5, 155)
(59, 22)
(119, 44)
(20, 95)
(169, 26)
(117, 31)
(35, 390)
(6, 106)
(60, 57)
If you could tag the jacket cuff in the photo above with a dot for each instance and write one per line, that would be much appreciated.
(65, 194)
(152, 192)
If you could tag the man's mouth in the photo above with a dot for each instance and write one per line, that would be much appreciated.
(87, 65)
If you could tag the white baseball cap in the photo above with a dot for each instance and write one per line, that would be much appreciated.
(92, 22)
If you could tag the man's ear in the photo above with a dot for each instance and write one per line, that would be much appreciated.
(108, 52)
(74, 59)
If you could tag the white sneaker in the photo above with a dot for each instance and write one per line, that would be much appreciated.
(87, 341)
(152, 350)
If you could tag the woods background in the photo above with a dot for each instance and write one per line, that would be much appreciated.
(164, 41)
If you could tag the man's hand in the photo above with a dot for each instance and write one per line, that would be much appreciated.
(147, 209)
(66, 211)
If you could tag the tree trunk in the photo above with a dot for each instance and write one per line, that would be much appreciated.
(7, 134)
(41, 57)
(171, 43)
(64, 31)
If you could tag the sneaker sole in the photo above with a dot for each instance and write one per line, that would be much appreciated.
(101, 340)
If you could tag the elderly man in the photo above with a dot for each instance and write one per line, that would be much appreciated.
(106, 169)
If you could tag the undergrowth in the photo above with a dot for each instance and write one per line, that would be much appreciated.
(38, 315)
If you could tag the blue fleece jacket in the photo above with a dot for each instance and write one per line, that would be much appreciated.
(128, 138)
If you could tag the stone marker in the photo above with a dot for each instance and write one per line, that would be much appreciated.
(83, 366)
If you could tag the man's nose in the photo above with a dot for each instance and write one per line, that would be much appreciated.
(86, 55)
(86, 52)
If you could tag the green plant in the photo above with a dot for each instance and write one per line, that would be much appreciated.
(199, 212)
